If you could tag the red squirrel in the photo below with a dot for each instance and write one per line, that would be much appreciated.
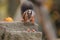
(27, 12)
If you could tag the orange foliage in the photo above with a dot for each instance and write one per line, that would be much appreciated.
(8, 19)
(48, 4)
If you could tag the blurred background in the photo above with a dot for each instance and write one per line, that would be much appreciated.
(11, 8)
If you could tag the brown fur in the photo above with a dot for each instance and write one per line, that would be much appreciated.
(25, 18)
